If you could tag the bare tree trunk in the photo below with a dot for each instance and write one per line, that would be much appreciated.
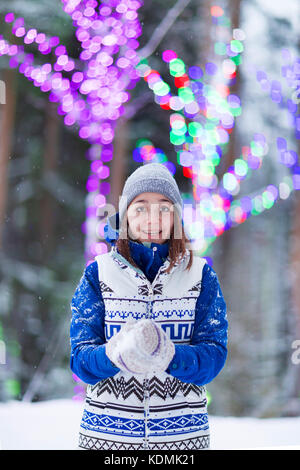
(228, 159)
(162, 29)
(206, 49)
(295, 267)
(293, 369)
(47, 217)
(6, 133)
(118, 163)
(295, 279)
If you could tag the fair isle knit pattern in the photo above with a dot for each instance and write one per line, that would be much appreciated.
(153, 411)
(127, 293)
(89, 443)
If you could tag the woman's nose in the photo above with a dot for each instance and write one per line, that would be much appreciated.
(153, 217)
(154, 211)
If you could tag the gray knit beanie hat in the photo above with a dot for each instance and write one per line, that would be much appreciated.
(150, 178)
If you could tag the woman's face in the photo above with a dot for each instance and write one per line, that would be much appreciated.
(150, 218)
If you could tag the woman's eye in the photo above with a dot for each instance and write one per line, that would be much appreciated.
(143, 209)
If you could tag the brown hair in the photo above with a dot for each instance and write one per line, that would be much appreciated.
(177, 246)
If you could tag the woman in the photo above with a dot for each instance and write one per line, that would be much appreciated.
(148, 328)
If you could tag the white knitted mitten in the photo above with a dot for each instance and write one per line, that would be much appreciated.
(141, 347)
(151, 338)
(112, 346)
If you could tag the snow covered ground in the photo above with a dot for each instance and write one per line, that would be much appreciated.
(53, 425)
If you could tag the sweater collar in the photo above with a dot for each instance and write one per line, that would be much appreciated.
(143, 252)
(149, 256)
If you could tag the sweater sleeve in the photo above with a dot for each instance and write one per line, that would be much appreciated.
(88, 358)
(202, 360)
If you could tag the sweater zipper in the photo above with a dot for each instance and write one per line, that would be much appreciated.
(146, 390)
(146, 413)
(146, 380)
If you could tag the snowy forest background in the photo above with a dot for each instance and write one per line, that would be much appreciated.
(43, 206)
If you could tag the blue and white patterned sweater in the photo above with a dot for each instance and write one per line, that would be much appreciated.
(198, 362)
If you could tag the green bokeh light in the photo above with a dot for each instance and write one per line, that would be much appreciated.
(177, 67)
(12, 387)
(220, 48)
